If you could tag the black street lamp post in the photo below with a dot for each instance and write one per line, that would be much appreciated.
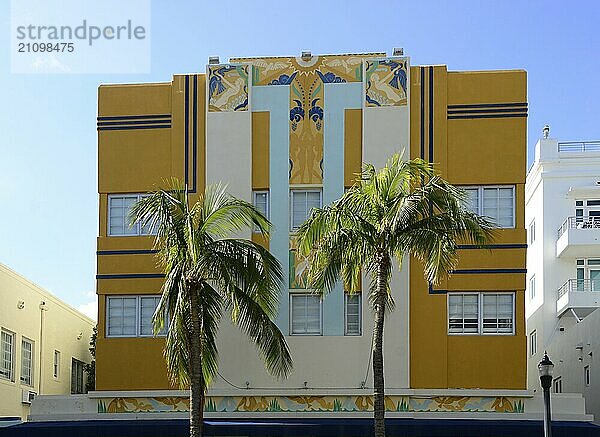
(546, 369)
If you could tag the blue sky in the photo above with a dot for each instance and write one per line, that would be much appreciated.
(49, 220)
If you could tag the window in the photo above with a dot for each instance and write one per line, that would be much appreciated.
(76, 376)
(305, 314)
(148, 305)
(558, 385)
(495, 203)
(131, 316)
(588, 274)
(352, 314)
(532, 232)
(532, 287)
(302, 202)
(533, 343)
(7, 348)
(463, 313)
(261, 202)
(498, 312)
(121, 316)
(586, 376)
(56, 371)
(481, 313)
(26, 361)
(587, 213)
(118, 220)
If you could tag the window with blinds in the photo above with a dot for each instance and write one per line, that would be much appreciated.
(481, 313)
(26, 361)
(148, 306)
(302, 202)
(118, 216)
(131, 316)
(498, 313)
(260, 200)
(121, 316)
(305, 317)
(497, 203)
(352, 313)
(7, 351)
(463, 313)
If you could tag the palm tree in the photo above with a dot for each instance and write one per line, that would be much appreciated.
(403, 209)
(209, 274)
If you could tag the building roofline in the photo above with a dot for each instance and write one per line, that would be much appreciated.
(509, 70)
(44, 293)
(116, 85)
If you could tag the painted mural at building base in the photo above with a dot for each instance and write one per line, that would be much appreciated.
(304, 404)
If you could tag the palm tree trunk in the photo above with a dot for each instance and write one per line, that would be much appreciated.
(379, 316)
(196, 376)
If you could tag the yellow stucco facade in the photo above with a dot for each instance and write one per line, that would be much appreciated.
(471, 124)
(31, 315)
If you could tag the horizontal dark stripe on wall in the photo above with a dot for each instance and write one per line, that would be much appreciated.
(434, 291)
(132, 117)
(131, 276)
(486, 271)
(486, 111)
(126, 252)
(154, 126)
(492, 246)
(132, 122)
(454, 117)
(486, 105)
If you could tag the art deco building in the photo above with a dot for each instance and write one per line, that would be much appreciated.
(290, 134)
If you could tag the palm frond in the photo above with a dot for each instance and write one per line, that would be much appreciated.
(204, 266)
(255, 321)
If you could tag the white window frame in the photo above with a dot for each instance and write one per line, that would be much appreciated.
(268, 206)
(480, 312)
(582, 204)
(305, 334)
(587, 376)
(31, 364)
(557, 384)
(532, 287)
(359, 296)
(108, 298)
(291, 202)
(138, 317)
(56, 364)
(260, 192)
(137, 226)
(11, 376)
(532, 232)
(533, 343)
(481, 188)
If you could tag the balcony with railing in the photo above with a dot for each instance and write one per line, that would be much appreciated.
(579, 237)
(580, 295)
(578, 146)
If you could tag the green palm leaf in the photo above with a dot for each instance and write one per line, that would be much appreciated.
(405, 208)
(208, 274)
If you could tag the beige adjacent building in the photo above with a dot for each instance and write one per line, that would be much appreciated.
(43, 344)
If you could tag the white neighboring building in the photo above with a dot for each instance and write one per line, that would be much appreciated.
(562, 215)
